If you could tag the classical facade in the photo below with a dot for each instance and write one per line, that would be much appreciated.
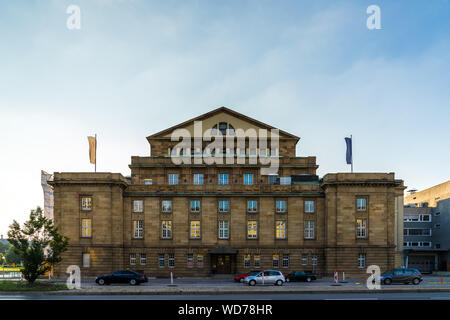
(180, 209)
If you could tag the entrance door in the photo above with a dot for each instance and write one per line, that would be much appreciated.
(222, 263)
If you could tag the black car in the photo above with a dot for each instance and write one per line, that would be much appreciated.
(402, 275)
(300, 276)
(122, 276)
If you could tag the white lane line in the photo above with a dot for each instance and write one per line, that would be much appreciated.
(353, 299)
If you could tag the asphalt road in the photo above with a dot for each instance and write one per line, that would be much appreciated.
(266, 296)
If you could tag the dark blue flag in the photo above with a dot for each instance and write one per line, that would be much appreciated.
(349, 157)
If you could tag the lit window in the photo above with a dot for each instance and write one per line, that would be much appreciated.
(224, 229)
(195, 229)
(198, 178)
(361, 228)
(248, 178)
(223, 206)
(252, 229)
(166, 205)
(252, 205)
(281, 229)
(223, 178)
(361, 204)
(86, 260)
(309, 229)
(173, 178)
(86, 203)
(132, 258)
(138, 206)
(138, 229)
(195, 205)
(362, 260)
(246, 260)
(143, 259)
(276, 261)
(86, 228)
(166, 229)
(281, 205)
(309, 206)
(257, 261)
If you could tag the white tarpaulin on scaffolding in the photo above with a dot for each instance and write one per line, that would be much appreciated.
(48, 194)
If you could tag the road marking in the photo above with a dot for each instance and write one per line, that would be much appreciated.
(353, 299)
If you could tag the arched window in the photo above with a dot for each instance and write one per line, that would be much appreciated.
(223, 128)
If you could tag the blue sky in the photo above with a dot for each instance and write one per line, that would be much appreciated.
(311, 68)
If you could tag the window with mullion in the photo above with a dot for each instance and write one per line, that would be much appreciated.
(361, 228)
(195, 229)
(195, 205)
(166, 229)
(138, 228)
(309, 206)
(361, 204)
(223, 178)
(173, 178)
(252, 229)
(252, 205)
(281, 205)
(223, 206)
(281, 229)
(224, 229)
(198, 179)
(309, 229)
(248, 178)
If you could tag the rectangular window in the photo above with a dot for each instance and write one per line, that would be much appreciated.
(362, 260)
(314, 260)
(171, 260)
(304, 259)
(309, 229)
(273, 179)
(166, 229)
(252, 206)
(361, 204)
(223, 229)
(281, 205)
(285, 180)
(223, 178)
(173, 178)
(195, 229)
(199, 260)
(86, 260)
(309, 206)
(190, 260)
(248, 178)
(246, 260)
(86, 228)
(138, 206)
(257, 261)
(425, 217)
(276, 261)
(361, 228)
(138, 229)
(86, 203)
(223, 206)
(161, 261)
(198, 178)
(280, 229)
(148, 181)
(195, 205)
(132, 258)
(166, 205)
(143, 259)
(252, 229)
(285, 261)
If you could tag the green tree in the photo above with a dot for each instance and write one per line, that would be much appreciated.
(12, 257)
(38, 235)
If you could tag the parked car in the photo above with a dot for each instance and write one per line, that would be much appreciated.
(274, 277)
(402, 275)
(241, 277)
(122, 276)
(300, 276)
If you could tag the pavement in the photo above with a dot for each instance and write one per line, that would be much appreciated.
(213, 286)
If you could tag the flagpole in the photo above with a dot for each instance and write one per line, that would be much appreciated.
(351, 139)
(95, 152)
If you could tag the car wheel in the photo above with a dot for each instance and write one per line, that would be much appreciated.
(241, 280)
(279, 283)
(101, 282)
(416, 281)
(133, 282)
(252, 283)
(387, 281)
(308, 279)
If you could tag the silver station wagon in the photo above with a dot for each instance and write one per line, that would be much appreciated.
(272, 277)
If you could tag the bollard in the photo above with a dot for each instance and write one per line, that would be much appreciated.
(263, 277)
(171, 276)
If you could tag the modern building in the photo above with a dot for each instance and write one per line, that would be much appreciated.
(428, 197)
(201, 209)
(426, 237)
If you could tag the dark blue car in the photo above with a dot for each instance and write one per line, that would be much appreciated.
(402, 275)
(122, 276)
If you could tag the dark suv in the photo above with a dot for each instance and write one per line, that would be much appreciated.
(402, 276)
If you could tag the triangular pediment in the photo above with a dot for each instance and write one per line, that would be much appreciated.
(222, 114)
